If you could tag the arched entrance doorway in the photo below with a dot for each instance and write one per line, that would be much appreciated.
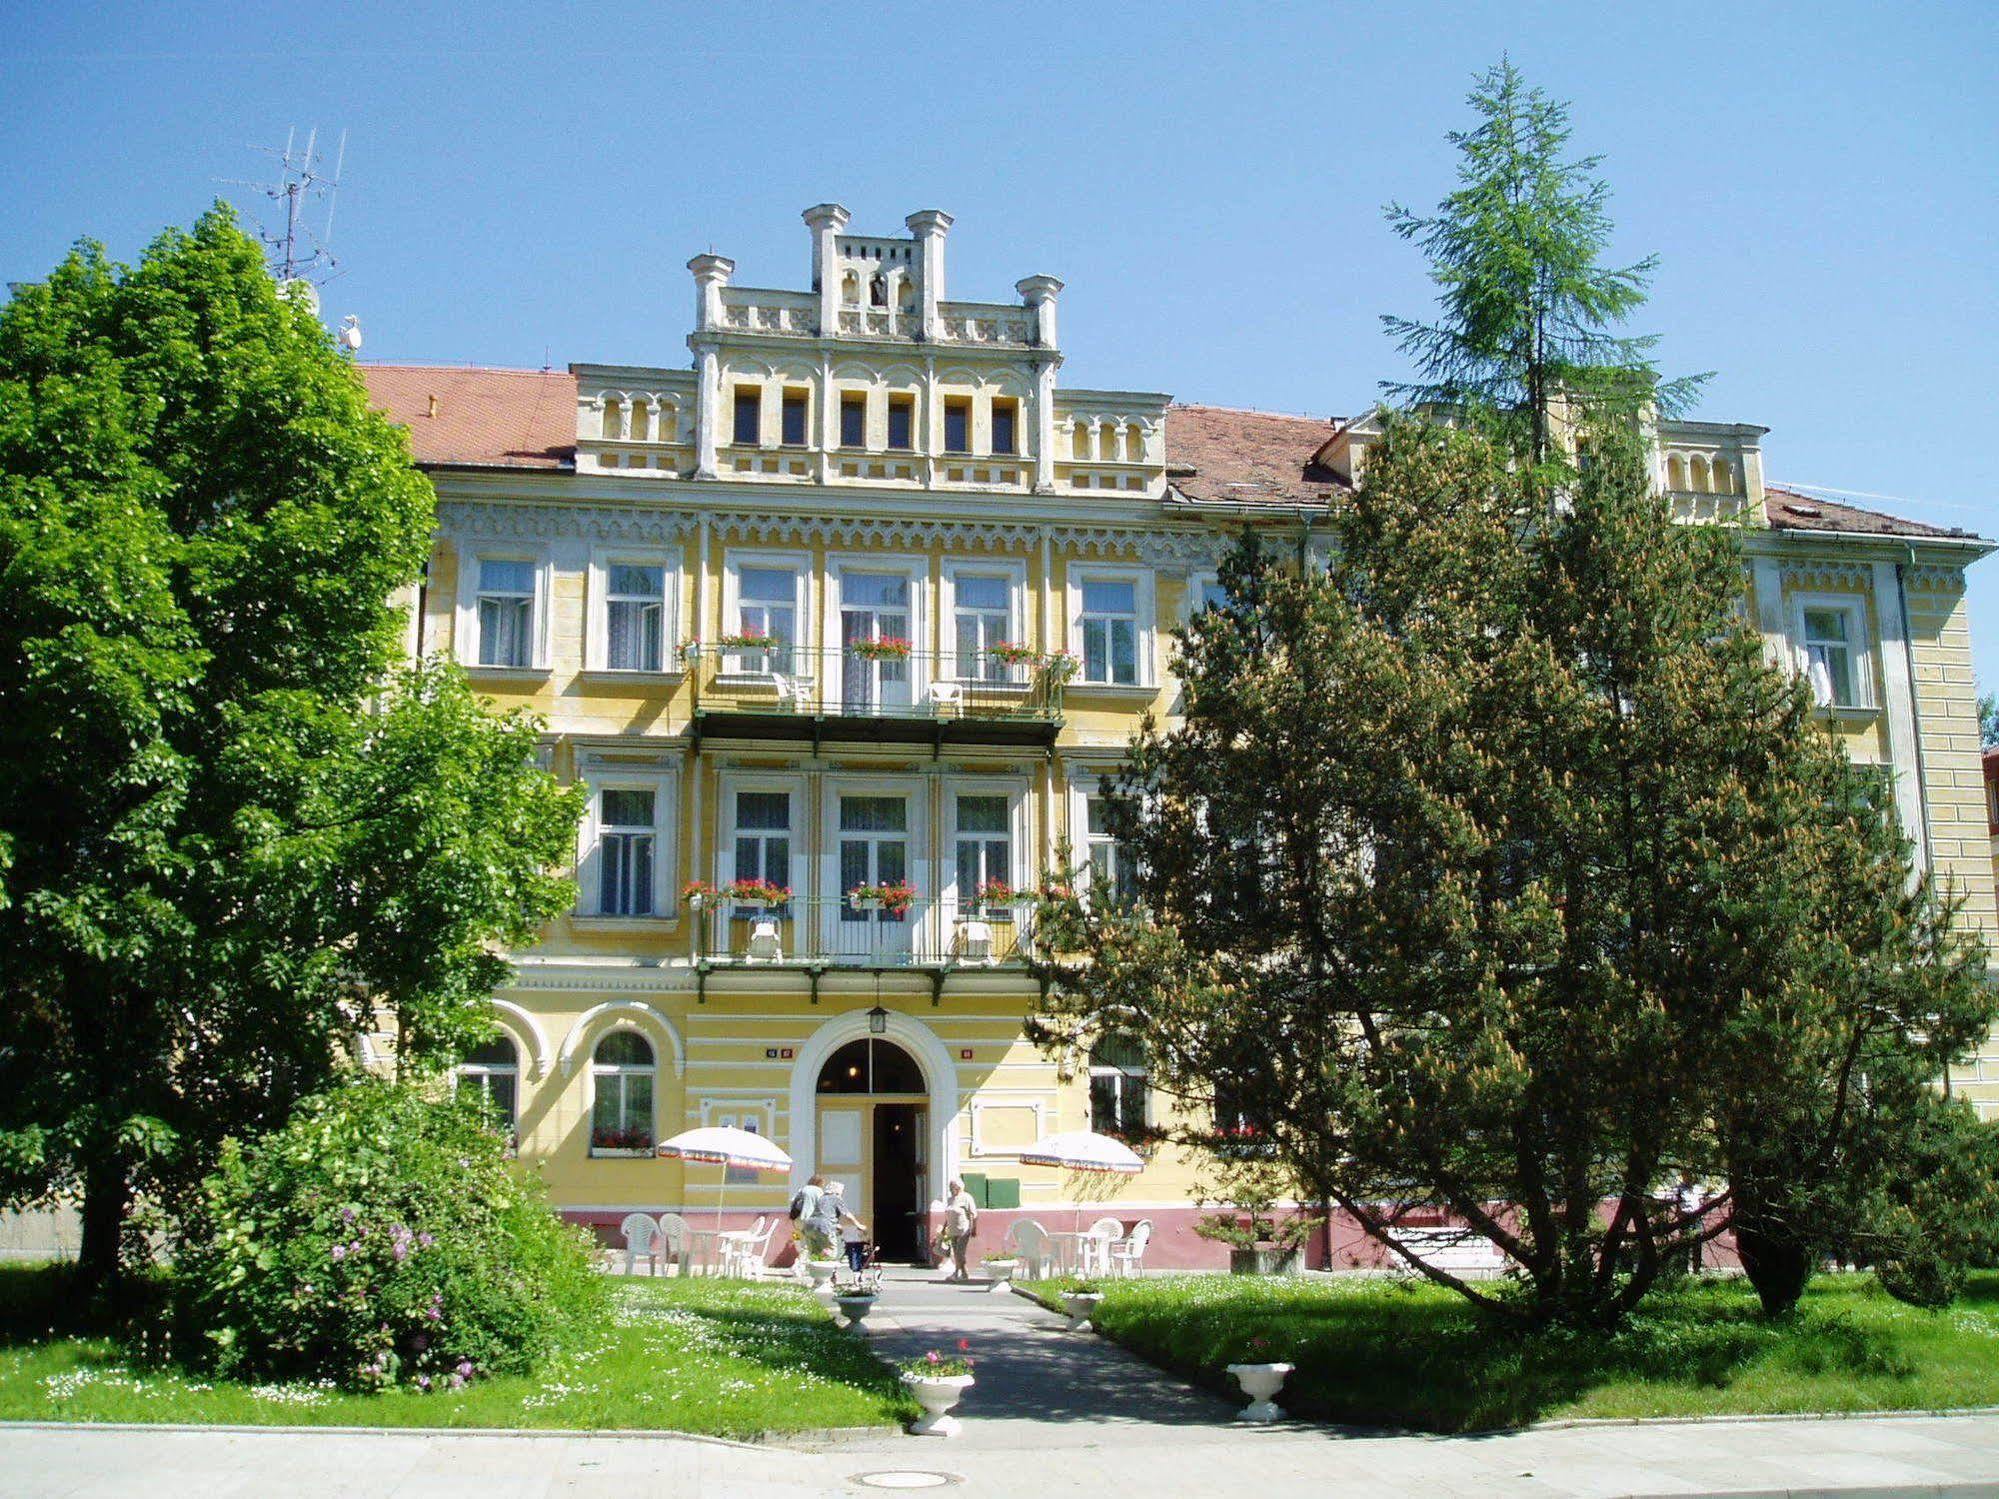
(873, 1122)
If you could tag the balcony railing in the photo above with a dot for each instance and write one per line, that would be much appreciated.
(827, 932)
(858, 692)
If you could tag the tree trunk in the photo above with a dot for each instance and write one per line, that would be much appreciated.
(1778, 1266)
(107, 1193)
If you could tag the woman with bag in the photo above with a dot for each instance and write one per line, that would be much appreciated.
(961, 1221)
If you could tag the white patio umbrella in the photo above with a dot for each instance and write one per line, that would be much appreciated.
(1083, 1150)
(725, 1145)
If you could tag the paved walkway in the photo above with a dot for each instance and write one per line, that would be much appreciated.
(1052, 1414)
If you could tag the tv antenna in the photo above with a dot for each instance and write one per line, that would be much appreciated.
(301, 253)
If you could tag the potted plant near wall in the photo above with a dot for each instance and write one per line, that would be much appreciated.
(1081, 1301)
(1259, 1242)
(938, 1381)
(697, 895)
(748, 641)
(759, 893)
(996, 898)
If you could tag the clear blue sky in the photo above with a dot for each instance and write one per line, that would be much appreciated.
(528, 182)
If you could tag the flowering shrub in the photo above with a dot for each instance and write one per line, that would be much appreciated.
(894, 898)
(886, 648)
(381, 1238)
(996, 892)
(1013, 653)
(612, 1137)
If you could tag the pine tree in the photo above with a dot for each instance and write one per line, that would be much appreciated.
(1493, 870)
(1524, 339)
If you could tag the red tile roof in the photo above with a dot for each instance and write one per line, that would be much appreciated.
(1789, 510)
(466, 417)
(485, 418)
(1224, 456)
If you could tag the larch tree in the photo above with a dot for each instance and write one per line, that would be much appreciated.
(235, 827)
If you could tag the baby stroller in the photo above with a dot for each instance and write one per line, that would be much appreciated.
(867, 1276)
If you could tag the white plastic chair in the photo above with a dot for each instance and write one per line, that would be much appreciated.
(641, 1241)
(740, 1249)
(945, 695)
(1029, 1243)
(677, 1244)
(1128, 1255)
(794, 693)
(1095, 1249)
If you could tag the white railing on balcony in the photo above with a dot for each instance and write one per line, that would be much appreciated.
(840, 932)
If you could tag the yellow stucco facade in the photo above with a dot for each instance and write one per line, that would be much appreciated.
(864, 598)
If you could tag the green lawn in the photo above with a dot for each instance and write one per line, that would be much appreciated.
(724, 1358)
(1398, 1353)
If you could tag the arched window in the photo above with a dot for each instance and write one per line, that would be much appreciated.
(1700, 475)
(622, 1071)
(871, 1065)
(1724, 476)
(905, 294)
(878, 291)
(1134, 443)
(1080, 444)
(493, 1072)
(614, 418)
(850, 289)
(1117, 1086)
(639, 428)
(1676, 473)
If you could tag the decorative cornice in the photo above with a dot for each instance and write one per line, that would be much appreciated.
(1826, 576)
(633, 523)
(1931, 577)
(628, 523)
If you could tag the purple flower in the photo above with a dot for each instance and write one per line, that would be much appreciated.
(465, 1367)
(458, 1381)
(401, 1250)
(424, 1241)
(423, 1383)
(347, 1215)
(339, 1251)
(436, 1314)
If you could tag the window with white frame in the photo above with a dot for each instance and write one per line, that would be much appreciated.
(627, 850)
(1205, 591)
(763, 837)
(1113, 872)
(984, 849)
(1117, 1086)
(1834, 643)
(767, 610)
(982, 618)
(635, 616)
(622, 1075)
(505, 611)
(491, 1072)
(1107, 630)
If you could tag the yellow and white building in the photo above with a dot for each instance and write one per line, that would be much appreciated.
(863, 596)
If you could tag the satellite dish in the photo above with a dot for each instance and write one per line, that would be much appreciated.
(301, 289)
(350, 334)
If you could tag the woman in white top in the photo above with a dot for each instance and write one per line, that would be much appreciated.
(961, 1221)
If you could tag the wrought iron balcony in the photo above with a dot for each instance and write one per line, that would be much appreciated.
(823, 932)
(863, 693)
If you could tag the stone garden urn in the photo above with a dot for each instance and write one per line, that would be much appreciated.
(1081, 1306)
(855, 1306)
(1002, 1273)
(1260, 1382)
(822, 1273)
(937, 1393)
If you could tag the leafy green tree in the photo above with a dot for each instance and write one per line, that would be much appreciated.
(1524, 338)
(1988, 720)
(234, 828)
(1565, 899)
